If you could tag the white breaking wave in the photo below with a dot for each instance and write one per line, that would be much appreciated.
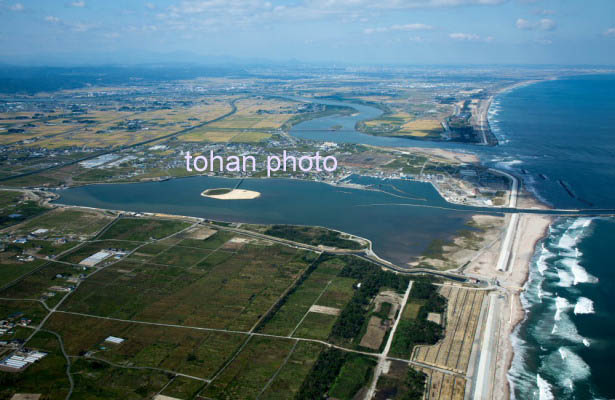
(509, 164)
(563, 327)
(544, 388)
(579, 273)
(541, 263)
(567, 366)
(584, 306)
(581, 223)
(565, 279)
(561, 305)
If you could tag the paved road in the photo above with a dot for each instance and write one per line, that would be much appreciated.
(504, 258)
(382, 358)
(483, 382)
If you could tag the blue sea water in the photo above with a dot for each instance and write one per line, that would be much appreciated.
(560, 136)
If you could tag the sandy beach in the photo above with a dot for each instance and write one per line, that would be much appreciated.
(531, 229)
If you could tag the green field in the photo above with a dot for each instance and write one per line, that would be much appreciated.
(34, 285)
(288, 381)
(46, 376)
(183, 388)
(246, 376)
(355, 373)
(97, 380)
(10, 272)
(316, 326)
(143, 229)
(232, 294)
(31, 309)
(68, 221)
(297, 303)
(192, 352)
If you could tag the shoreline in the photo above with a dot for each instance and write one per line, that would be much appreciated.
(529, 240)
(532, 229)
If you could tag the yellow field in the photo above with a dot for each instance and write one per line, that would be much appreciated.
(453, 352)
(105, 131)
(421, 127)
(248, 116)
(206, 134)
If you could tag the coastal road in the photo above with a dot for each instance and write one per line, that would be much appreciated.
(483, 382)
(482, 110)
(504, 257)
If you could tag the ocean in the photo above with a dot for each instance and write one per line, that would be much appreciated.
(560, 137)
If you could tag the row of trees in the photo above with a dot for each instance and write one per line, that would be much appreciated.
(322, 375)
(371, 279)
(312, 236)
(420, 330)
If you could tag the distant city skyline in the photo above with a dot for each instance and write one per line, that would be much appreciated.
(565, 32)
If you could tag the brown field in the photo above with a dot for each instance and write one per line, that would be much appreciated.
(453, 352)
(375, 333)
(441, 386)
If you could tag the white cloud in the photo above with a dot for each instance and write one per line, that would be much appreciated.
(397, 27)
(544, 12)
(464, 36)
(210, 15)
(523, 24)
(82, 27)
(51, 18)
(544, 42)
(151, 6)
(544, 24)
(78, 4)
(609, 32)
(399, 4)
(16, 7)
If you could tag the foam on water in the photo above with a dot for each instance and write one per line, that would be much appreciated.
(556, 264)
(544, 388)
(584, 306)
(567, 366)
(561, 305)
(580, 274)
(565, 278)
(545, 255)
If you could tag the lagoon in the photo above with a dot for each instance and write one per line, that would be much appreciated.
(400, 227)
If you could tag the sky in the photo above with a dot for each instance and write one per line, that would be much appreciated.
(370, 32)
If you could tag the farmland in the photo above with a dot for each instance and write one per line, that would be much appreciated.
(196, 303)
(453, 352)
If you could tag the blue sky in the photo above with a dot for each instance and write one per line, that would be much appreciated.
(324, 31)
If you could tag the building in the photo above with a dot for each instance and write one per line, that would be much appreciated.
(114, 340)
(96, 258)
